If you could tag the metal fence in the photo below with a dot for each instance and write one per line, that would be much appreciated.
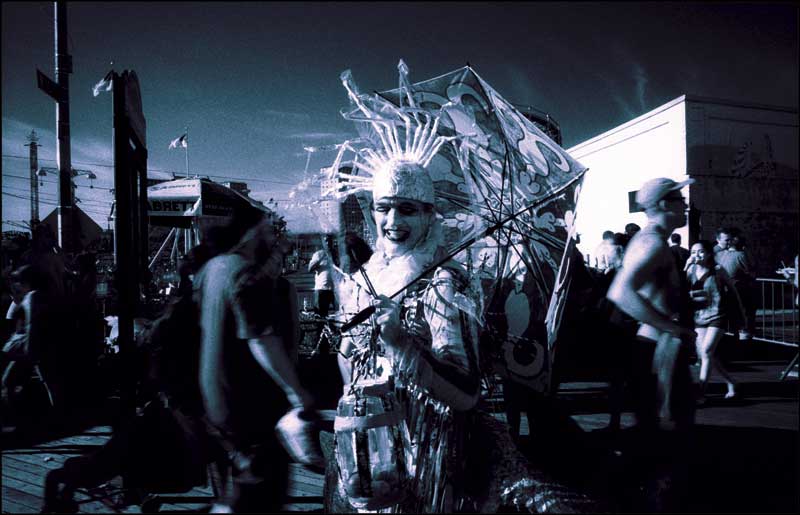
(776, 316)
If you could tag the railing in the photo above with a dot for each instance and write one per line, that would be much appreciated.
(776, 317)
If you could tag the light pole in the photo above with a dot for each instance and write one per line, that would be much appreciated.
(44, 170)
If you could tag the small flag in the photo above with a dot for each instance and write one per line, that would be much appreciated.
(180, 142)
(105, 84)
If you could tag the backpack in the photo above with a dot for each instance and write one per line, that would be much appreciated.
(172, 355)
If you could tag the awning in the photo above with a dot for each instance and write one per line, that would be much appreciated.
(180, 202)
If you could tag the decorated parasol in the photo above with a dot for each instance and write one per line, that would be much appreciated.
(506, 191)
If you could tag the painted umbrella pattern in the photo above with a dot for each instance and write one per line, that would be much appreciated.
(488, 163)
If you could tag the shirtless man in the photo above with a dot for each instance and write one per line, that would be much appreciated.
(647, 288)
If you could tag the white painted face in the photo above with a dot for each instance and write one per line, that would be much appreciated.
(401, 223)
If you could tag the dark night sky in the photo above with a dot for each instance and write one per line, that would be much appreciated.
(255, 82)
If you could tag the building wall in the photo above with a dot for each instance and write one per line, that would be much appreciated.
(330, 210)
(619, 161)
(744, 159)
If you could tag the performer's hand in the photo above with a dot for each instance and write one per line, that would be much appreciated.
(387, 316)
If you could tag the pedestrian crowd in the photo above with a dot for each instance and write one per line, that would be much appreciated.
(52, 328)
(220, 366)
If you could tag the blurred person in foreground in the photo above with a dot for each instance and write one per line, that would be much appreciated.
(648, 289)
(247, 377)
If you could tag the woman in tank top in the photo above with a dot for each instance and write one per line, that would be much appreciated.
(707, 283)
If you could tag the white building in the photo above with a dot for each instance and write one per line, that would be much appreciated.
(744, 158)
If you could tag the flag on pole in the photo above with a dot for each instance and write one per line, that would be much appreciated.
(183, 141)
(105, 84)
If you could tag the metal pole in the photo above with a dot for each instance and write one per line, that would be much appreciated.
(174, 252)
(186, 151)
(63, 64)
(160, 249)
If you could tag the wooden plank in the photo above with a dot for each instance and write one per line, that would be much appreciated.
(21, 497)
(300, 472)
(313, 481)
(303, 508)
(299, 491)
(10, 506)
(34, 468)
(13, 470)
(35, 494)
(55, 461)
(81, 439)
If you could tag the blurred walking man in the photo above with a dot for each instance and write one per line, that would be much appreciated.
(648, 288)
(247, 378)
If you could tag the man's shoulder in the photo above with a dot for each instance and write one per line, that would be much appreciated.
(648, 240)
(680, 251)
(224, 266)
(226, 261)
(646, 248)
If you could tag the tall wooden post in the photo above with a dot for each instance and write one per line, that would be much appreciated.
(130, 221)
(59, 91)
(33, 158)
(127, 291)
(66, 215)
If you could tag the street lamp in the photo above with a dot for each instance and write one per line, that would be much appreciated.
(41, 172)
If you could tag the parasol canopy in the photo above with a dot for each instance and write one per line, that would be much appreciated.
(501, 184)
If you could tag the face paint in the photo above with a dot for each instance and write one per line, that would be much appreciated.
(401, 223)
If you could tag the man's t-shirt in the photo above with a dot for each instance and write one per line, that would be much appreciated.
(322, 274)
(236, 305)
(735, 262)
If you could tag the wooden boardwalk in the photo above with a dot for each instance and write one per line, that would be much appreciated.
(24, 471)
(754, 438)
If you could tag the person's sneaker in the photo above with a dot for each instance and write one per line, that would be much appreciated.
(298, 432)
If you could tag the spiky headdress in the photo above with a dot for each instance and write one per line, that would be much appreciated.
(404, 142)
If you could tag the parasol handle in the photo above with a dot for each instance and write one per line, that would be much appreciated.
(360, 317)
(368, 311)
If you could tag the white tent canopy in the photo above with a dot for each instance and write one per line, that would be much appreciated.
(191, 207)
(177, 203)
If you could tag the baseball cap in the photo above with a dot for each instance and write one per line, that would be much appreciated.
(656, 189)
